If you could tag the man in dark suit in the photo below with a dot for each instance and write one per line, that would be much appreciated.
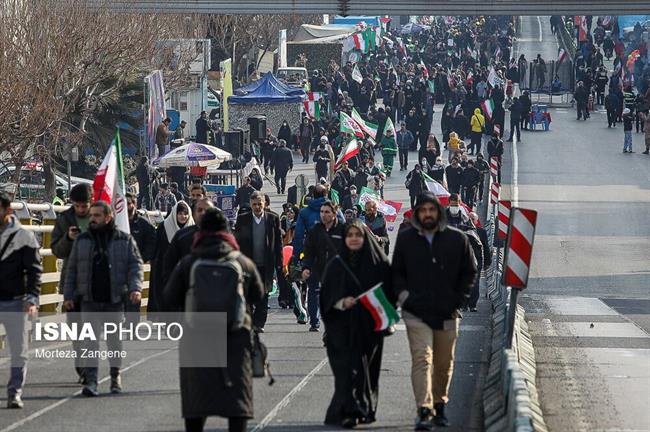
(259, 237)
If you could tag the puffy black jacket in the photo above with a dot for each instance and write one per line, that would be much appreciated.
(144, 235)
(321, 245)
(20, 268)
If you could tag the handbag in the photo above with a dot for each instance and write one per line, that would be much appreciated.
(261, 367)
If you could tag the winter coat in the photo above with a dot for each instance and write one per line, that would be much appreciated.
(144, 235)
(205, 391)
(61, 244)
(321, 245)
(438, 277)
(282, 161)
(20, 264)
(454, 177)
(478, 121)
(307, 218)
(415, 183)
(125, 266)
(470, 177)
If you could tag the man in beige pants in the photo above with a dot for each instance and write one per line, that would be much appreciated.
(434, 270)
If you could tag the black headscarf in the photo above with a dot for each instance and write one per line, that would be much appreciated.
(370, 254)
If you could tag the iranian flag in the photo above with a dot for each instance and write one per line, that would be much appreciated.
(356, 74)
(312, 105)
(350, 151)
(425, 71)
(109, 184)
(582, 30)
(390, 126)
(433, 186)
(369, 128)
(382, 312)
(561, 55)
(488, 108)
(348, 125)
(359, 42)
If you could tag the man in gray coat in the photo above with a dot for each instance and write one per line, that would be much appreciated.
(103, 269)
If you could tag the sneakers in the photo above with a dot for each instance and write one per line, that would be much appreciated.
(314, 329)
(90, 390)
(474, 309)
(440, 419)
(15, 402)
(424, 420)
(116, 381)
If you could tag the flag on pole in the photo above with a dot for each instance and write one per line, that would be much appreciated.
(582, 32)
(488, 108)
(492, 77)
(348, 125)
(435, 187)
(109, 184)
(359, 42)
(382, 312)
(350, 151)
(369, 128)
(425, 71)
(497, 128)
(389, 127)
(561, 55)
(312, 109)
(497, 53)
(356, 74)
(432, 86)
(334, 195)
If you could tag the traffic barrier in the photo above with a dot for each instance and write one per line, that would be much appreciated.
(510, 397)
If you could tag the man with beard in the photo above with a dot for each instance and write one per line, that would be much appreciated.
(104, 270)
(433, 273)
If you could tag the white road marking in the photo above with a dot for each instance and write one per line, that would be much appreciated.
(60, 402)
(287, 399)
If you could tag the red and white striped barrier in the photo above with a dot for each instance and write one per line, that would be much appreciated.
(504, 218)
(494, 193)
(494, 168)
(520, 247)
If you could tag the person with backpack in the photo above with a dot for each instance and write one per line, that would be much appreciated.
(213, 391)
(258, 234)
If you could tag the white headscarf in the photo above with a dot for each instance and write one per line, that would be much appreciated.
(171, 223)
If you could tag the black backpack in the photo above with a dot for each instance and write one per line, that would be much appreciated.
(217, 285)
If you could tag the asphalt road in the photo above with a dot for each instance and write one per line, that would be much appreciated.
(588, 300)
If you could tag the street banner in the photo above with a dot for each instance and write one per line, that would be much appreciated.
(226, 85)
(109, 184)
(381, 310)
(155, 110)
(369, 128)
(519, 249)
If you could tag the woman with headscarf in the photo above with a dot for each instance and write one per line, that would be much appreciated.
(179, 217)
(354, 349)
(285, 133)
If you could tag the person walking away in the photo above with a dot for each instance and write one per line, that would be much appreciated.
(478, 129)
(404, 141)
(526, 105)
(628, 119)
(388, 151)
(104, 267)
(412, 122)
(282, 163)
(324, 241)
(145, 176)
(354, 349)
(469, 181)
(415, 183)
(202, 126)
(611, 105)
(515, 118)
(259, 237)
(69, 224)
(454, 175)
(581, 97)
(306, 134)
(228, 391)
(21, 270)
(483, 264)
(495, 149)
(483, 168)
(165, 200)
(322, 159)
(179, 218)
(376, 222)
(433, 273)
(162, 135)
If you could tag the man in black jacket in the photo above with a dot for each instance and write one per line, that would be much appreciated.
(282, 163)
(259, 237)
(433, 273)
(515, 119)
(322, 159)
(324, 240)
(20, 267)
(469, 181)
(145, 175)
(142, 231)
(454, 174)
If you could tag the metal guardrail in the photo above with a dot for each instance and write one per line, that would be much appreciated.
(510, 399)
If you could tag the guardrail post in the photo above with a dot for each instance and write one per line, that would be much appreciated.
(49, 262)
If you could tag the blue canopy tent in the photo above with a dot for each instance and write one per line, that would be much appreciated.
(266, 96)
(267, 90)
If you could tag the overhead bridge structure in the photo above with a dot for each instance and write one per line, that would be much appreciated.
(384, 7)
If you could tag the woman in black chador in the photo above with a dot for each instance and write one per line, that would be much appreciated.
(354, 349)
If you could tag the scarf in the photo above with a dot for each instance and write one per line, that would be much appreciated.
(171, 223)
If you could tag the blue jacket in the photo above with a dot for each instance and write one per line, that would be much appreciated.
(307, 218)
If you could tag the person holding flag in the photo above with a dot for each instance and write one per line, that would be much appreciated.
(357, 308)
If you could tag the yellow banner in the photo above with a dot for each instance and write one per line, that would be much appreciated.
(226, 85)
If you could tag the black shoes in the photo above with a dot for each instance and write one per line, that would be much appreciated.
(348, 423)
(15, 402)
(646, 152)
(440, 419)
(424, 420)
(116, 381)
(314, 329)
(90, 390)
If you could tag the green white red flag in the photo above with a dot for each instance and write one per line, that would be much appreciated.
(312, 105)
(356, 74)
(488, 108)
(369, 128)
(348, 125)
(109, 184)
(359, 41)
(350, 151)
(382, 312)
(390, 126)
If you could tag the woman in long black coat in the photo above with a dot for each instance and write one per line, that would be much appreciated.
(415, 183)
(211, 391)
(179, 217)
(354, 349)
